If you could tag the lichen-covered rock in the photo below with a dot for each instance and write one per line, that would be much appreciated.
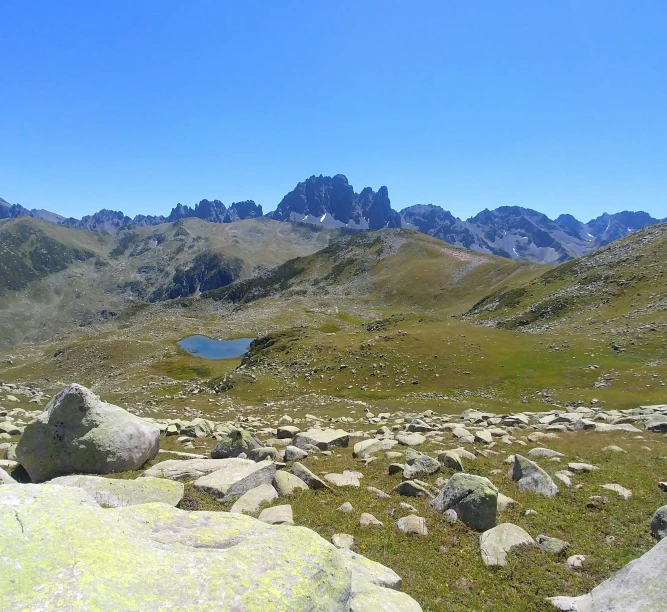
(451, 460)
(79, 433)
(235, 442)
(531, 477)
(116, 493)
(640, 586)
(251, 500)
(474, 498)
(60, 549)
(286, 483)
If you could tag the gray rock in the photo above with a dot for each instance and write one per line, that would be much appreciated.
(236, 477)
(324, 439)
(265, 453)
(640, 586)
(581, 467)
(659, 523)
(412, 524)
(420, 466)
(251, 500)
(544, 452)
(286, 483)
(531, 477)
(551, 545)
(277, 515)
(474, 498)
(576, 562)
(451, 460)
(79, 433)
(287, 431)
(342, 540)
(410, 488)
(366, 448)
(234, 443)
(177, 469)
(116, 493)
(346, 507)
(410, 439)
(367, 519)
(313, 482)
(292, 453)
(346, 479)
(497, 542)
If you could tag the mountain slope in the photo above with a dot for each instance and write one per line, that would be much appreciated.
(54, 277)
(627, 278)
(389, 267)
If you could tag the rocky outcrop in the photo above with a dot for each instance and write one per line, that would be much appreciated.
(79, 433)
(60, 549)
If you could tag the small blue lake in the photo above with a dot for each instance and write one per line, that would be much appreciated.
(207, 348)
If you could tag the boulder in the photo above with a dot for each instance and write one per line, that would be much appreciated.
(116, 493)
(410, 488)
(423, 465)
(287, 432)
(79, 433)
(451, 460)
(292, 453)
(277, 515)
(313, 482)
(551, 545)
(659, 523)
(324, 439)
(410, 439)
(185, 469)
(639, 586)
(251, 500)
(234, 443)
(342, 540)
(531, 477)
(346, 479)
(366, 448)
(473, 498)
(412, 524)
(497, 542)
(236, 477)
(61, 550)
(286, 483)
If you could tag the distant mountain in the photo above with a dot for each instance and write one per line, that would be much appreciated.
(521, 234)
(332, 202)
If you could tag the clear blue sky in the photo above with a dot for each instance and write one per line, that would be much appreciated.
(137, 105)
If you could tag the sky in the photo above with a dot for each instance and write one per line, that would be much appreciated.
(136, 106)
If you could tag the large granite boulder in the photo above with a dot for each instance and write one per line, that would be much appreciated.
(60, 549)
(236, 477)
(473, 498)
(115, 493)
(640, 586)
(184, 469)
(79, 433)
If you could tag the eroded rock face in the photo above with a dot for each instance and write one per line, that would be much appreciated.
(79, 433)
(638, 587)
(153, 556)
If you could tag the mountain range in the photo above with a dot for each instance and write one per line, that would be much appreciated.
(513, 232)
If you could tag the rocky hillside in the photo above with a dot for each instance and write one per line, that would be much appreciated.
(626, 278)
(54, 277)
(394, 266)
